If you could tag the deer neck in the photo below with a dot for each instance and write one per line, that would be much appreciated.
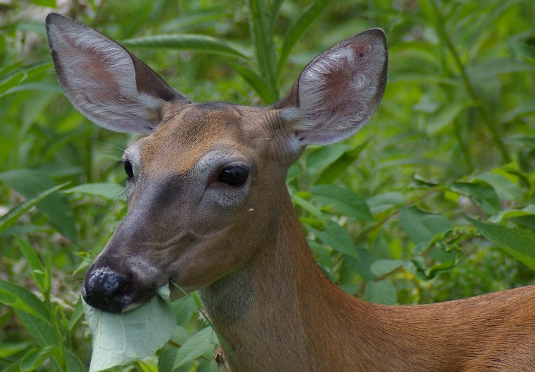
(272, 310)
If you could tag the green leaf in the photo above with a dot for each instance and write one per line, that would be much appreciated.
(12, 216)
(445, 117)
(22, 299)
(256, 81)
(491, 68)
(167, 359)
(264, 47)
(194, 347)
(77, 314)
(420, 226)
(74, 364)
(201, 43)
(504, 188)
(9, 349)
(14, 78)
(309, 207)
(56, 207)
(518, 243)
(119, 339)
(523, 141)
(298, 29)
(109, 191)
(382, 202)
(29, 253)
(529, 210)
(275, 7)
(41, 331)
(525, 49)
(340, 165)
(342, 200)
(526, 107)
(480, 193)
(47, 3)
(34, 358)
(337, 238)
(381, 292)
(383, 267)
(321, 158)
(37, 270)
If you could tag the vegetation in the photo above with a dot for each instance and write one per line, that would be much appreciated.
(391, 214)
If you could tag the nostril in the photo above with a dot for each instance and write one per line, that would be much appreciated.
(107, 290)
(106, 282)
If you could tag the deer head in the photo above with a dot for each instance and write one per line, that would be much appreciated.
(206, 186)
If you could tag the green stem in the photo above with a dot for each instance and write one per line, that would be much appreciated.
(462, 143)
(481, 107)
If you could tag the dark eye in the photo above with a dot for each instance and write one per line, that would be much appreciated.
(128, 169)
(233, 176)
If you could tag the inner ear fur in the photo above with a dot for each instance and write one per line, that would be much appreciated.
(338, 92)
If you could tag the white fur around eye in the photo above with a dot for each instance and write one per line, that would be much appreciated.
(216, 193)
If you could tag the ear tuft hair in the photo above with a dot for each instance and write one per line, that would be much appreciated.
(340, 90)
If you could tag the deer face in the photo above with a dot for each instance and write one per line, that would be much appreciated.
(205, 186)
(193, 189)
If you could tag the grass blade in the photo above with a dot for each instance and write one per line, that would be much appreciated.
(256, 81)
(265, 50)
(200, 43)
(19, 210)
(298, 28)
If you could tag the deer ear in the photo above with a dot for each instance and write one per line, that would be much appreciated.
(103, 80)
(338, 92)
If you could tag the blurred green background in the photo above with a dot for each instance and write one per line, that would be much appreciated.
(383, 211)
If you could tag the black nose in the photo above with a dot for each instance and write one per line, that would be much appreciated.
(107, 290)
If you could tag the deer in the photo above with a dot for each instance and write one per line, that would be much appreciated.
(209, 210)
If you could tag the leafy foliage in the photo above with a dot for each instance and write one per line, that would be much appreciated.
(383, 212)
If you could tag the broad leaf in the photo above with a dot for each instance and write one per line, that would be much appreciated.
(383, 267)
(110, 191)
(480, 193)
(321, 158)
(119, 339)
(197, 345)
(381, 292)
(420, 226)
(518, 243)
(342, 200)
(337, 238)
(529, 210)
(382, 202)
(504, 188)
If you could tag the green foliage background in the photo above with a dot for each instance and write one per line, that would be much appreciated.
(383, 211)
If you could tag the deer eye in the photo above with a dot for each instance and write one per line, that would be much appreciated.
(233, 176)
(128, 169)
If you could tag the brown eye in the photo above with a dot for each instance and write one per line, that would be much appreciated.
(233, 176)
(128, 169)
